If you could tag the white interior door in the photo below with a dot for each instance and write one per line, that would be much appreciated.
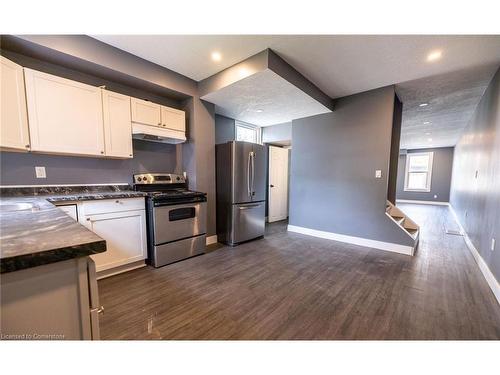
(278, 184)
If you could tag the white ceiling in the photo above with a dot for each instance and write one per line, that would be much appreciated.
(264, 99)
(451, 99)
(340, 66)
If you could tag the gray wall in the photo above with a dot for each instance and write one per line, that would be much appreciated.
(224, 129)
(19, 168)
(477, 200)
(277, 133)
(441, 176)
(199, 153)
(334, 158)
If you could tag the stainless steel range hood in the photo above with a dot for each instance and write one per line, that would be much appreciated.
(156, 134)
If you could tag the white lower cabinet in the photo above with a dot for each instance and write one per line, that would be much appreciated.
(122, 225)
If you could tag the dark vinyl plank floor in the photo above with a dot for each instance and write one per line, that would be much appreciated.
(292, 286)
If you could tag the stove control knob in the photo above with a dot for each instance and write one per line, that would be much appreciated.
(139, 179)
(178, 178)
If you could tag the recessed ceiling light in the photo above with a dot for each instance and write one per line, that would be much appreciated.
(423, 104)
(429, 139)
(427, 133)
(434, 56)
(216, 56)
(259, 111)
(426, 122)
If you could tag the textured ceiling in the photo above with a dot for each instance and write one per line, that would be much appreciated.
(451, 99)
(264, 99)
(338, 64)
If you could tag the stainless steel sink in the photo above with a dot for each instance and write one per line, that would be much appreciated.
(10, 207)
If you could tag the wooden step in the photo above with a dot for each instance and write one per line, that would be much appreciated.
(399, 220)
(413, 232)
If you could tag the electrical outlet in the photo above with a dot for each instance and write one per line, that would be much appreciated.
(492, 244)
(378, 173)
(40, 172)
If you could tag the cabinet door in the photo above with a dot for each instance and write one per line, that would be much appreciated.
(13, 114)
(174, 119)
(117, 124)
(125, 235)
(144, 112)
(65, 117)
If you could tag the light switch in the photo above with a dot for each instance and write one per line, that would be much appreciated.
(40, 172)
(378, 173)
(492, 244)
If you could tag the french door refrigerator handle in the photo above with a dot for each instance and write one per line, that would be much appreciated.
(253, 173)
(248, 174)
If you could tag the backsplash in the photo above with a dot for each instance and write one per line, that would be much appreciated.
(19, 168)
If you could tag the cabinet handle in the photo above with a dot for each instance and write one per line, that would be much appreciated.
(102, 152)
(100, 310)
(27, 146)
(88, 219)
(159, 123)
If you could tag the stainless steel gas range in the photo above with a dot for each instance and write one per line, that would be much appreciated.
(176, 217)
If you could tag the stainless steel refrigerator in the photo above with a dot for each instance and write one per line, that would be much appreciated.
(241, 191)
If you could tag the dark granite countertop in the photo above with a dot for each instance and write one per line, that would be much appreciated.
(44, 233)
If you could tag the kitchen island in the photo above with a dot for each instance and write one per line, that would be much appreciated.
(48, 281)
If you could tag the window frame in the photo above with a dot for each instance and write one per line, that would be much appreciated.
(257, 129)
(427, 189)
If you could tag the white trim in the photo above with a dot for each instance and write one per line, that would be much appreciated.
(211, 240)
(387, 246)
(437, 203)
(62, 185)
(429, 171)
(490, 278)
(120, 269)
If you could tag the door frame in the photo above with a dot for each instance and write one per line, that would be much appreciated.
(287, 190)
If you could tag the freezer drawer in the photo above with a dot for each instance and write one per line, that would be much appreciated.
(248, 222)
(177, 250)
(179, 221)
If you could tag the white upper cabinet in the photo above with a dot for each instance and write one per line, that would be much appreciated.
(173, 119)
(14, 133)
(117, 124)
(122, 223)
(147, 113)
(65, 116)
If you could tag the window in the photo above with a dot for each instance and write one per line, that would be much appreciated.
(418, 171)
(247, 132)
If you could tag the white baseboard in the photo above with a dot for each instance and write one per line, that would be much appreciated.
(387, 246)
(422, 202)
(490, 278)
(211, 240)
(120, 269)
